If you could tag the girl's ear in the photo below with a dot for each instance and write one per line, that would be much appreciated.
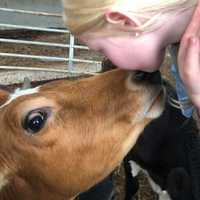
(4, 95)
(120, 18)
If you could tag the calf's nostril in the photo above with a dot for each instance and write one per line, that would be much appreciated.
(140, 76)
(152, 78)
(155, 77)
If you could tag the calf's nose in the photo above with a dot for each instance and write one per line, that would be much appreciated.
(152, 78)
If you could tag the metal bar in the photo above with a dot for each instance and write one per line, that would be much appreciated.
(86, 61)
(38, 57)
(41, 43)
(45, 69)
(47, 58)
(34, 28)
(71, 51)
(31, 12)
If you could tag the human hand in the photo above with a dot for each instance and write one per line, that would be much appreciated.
(189, 58)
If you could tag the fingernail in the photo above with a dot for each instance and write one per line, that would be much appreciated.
(194, 40)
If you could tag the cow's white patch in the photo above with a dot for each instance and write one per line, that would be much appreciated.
(135, 169)
(3, 179)
(18, 93)
(164, 195)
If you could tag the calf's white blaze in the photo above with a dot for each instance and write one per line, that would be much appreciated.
(18, 93)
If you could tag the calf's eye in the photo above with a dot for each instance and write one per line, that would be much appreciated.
(35, 120)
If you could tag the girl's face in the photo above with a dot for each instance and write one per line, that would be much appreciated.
(145, 52)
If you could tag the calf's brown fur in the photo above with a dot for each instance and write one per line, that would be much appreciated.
(92, 123)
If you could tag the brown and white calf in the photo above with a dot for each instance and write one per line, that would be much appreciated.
(61, 138)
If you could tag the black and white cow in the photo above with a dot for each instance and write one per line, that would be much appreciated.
(167, 152)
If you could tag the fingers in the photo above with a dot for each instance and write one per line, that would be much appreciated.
(194, 27)
(190, 66)
(193, 30)
(189, 58)
(189, 46)
(193, 55)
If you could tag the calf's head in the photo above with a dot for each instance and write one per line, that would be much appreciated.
(67, 136)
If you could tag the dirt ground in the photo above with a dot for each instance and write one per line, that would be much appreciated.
(145, 193)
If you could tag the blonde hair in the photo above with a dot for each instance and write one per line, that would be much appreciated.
(82, 15)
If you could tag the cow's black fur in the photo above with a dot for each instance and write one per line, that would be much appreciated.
(102, 191)
(163, 150)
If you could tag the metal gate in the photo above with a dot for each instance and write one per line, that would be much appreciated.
(14, 15)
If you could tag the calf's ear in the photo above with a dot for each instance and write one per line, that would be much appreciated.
(4, 95)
